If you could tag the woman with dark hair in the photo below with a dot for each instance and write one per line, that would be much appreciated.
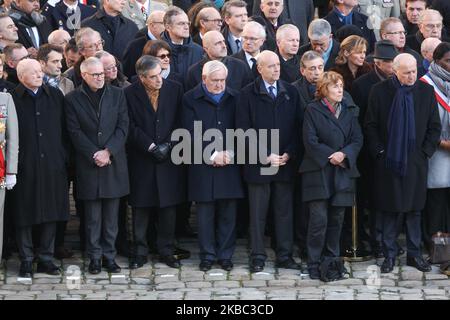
(332, 139)
(437, 208)
(350, 62)
(161, 50)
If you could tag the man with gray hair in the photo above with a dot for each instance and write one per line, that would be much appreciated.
(41, 195)
(8, 31)
(403, 129)
(321, 40)
(59, 38)
(214, 45)
(215, 183)
(426, 50)
(97, 122)
(157, 185)
(253, 38)
(288, 42)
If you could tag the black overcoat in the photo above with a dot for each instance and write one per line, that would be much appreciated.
(206, 182)
(91, 132)
(391, 192)
(41, 194)
(154, 184)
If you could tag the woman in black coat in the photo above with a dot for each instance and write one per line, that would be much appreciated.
(214, 184)
(332, 138)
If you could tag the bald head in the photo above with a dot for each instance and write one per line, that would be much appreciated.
(209, 19)
(268, 65)
(428, 46)
(214, 45)
(30, 73)
(155, 23)
(59, 38)
(405, 68)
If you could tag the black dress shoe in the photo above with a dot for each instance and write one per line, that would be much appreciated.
(48, 267)
(257, 265)
(137, 262)
(419, 263)
(314, 272)
(26, 269)
(226, 264)
(95, 266)
(181, 254)
(171, 261)
(205, 265)
(112, 267)
(288, 263)
(388, 265)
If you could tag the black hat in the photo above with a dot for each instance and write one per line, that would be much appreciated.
(385, 50)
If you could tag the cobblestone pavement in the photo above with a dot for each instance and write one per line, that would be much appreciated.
(156, 281)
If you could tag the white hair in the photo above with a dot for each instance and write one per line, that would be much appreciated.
(319, 28)
(255, 25)
(429, 12)
(429, 45)
(24, 64)
(213, 66)
(91, 61)
(51, 38)
(402, 57)
(284, 29)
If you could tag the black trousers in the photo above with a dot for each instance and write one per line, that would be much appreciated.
(324, 231)
(437, 213)
(391, 225)
(301, 216)
(24, 238)
(165, 229)
(260, 195)
(101, 222)
(217, 229)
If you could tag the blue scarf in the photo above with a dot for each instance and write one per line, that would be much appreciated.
(215, 97)
(401, 129)
(344, 19)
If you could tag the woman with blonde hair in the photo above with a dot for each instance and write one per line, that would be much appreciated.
(350, 62)
(332, 138)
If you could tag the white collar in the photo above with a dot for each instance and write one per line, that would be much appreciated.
(71, 6)
(248, 56)
(270, 85)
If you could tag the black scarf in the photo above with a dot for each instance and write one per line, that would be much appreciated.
(401, 128)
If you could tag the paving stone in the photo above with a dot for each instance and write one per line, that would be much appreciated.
(438, 298)
(439, 276)
(141, 273)
(389, 297)
(412, 275)
(115, 287)
(216, 275)
(101, 275)
(46, 297)
(170, 285)
(170, 295)
(409, 284)
(431, 292)
(198, 284)
(441, 283)
(226, 284)
(308, 283)
(165, 278)
(122, 297)
(18, 297)
(346, 282)
(140, 281)
(254, 283)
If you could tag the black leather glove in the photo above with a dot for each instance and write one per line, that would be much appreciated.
(161, 152)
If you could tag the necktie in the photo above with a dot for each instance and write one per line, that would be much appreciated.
(238, 45)
(254, 70)
(33, 38)
(272, 92)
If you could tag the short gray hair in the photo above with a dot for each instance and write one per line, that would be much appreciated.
(319, 28)
(145, 64)
(82, 34)
(170, 13)
(309, 56)
(91, 61)
(428, 12)
(281, 32)
(213, 66)
(103, 53)
(260, 29)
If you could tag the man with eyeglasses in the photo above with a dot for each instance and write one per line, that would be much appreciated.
(97, 122)
(8, 31)
(430, 26)
(116, 30)
(14, 53)
(322, 41)
(67, 14)
(253, 37)
(153, 31)
(208, 19)
(40, 198)
(113, 75)
(185, 52)
(88, 42)
(238, 76)
(410, 18)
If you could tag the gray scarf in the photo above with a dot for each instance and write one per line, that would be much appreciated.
(440, 77)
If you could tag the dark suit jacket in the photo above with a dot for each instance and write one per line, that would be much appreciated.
(333, 54)
(91, 132)
(238, 75)
(154, 184)
(290, 69)
(257, 110)
(271, 42)
(208, 183)
(241, 56)
(132, 54)
(116, 41)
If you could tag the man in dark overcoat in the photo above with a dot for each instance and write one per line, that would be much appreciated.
(157, 184)
(271, 104)
(97, 121)
(215, 183)
(402, 129)
(41, 196)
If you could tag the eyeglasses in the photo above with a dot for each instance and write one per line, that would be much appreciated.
(250, 38)
(163, 56)
(430, 26)
(182, 24)
(111, 68)
(213, 20)
(96, 75)
(398, 33)
(95, 45)
(157, 22)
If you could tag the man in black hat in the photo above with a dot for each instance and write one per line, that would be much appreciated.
(383, 57)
